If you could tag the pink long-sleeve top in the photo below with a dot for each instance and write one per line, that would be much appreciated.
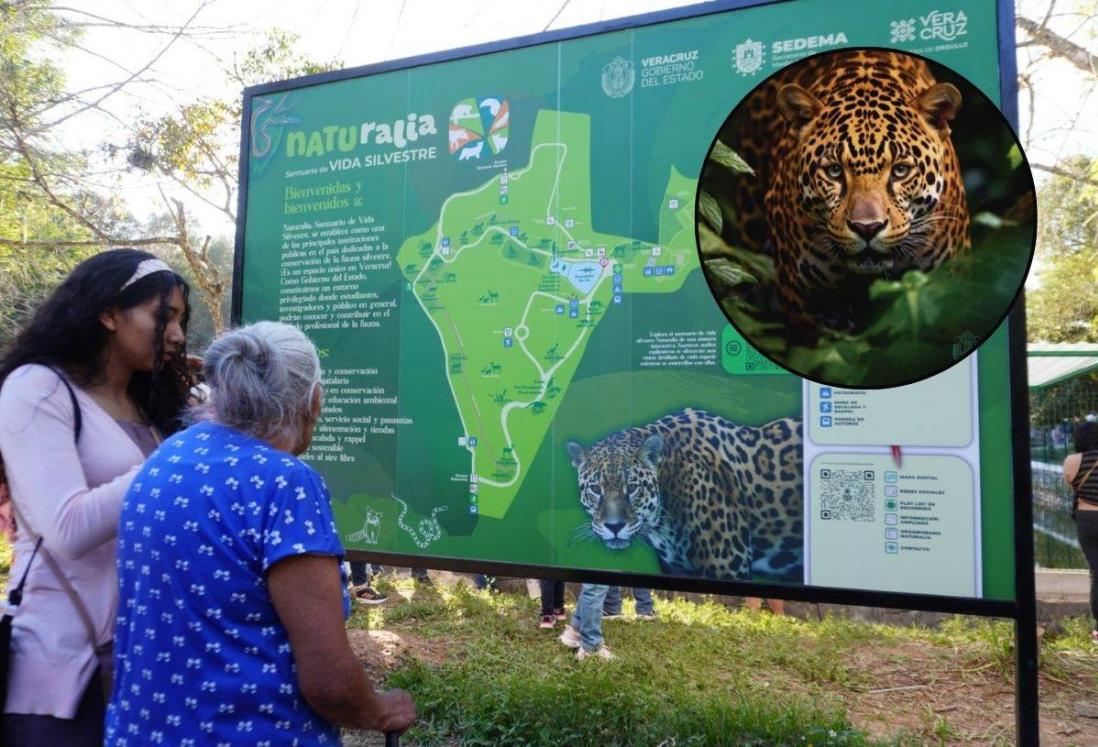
(71, 494)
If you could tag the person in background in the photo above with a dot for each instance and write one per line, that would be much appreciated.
(87, 389)
(644, 606)
(1081, 475)
(777, 606)
(483, 581)
(233, 605)
(552, 603)
(585, 632)
(363, 591)
(419, 575)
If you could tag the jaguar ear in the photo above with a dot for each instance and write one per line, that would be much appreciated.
(650, 450)
(939, 104)
(575, 453)
(797, 105)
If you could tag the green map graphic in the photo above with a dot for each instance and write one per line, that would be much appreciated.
(514, 277)
(495, 255)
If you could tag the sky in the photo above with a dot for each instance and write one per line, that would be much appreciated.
(357, 33)
(1064, 111)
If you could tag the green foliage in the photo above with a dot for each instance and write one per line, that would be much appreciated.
(1067, 400)
(30, 84)
(1064, 306)
(198, 144)
(5, 561)
(27, 276)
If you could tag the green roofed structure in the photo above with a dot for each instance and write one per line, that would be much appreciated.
(1054, 362)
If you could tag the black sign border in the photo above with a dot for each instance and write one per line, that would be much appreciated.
(1023, 609)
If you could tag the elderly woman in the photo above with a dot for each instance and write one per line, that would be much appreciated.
(231, 624)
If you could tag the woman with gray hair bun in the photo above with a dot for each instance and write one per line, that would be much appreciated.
(228, 563)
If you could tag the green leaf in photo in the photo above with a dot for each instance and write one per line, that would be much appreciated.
(729, 158)
(728, 272)
(1014, 155)
(710, 210)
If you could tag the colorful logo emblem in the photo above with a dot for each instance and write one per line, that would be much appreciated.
(476, 122)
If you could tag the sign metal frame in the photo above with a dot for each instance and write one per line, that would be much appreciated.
(1022, 610)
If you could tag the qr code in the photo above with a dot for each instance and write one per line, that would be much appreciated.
(847, 495)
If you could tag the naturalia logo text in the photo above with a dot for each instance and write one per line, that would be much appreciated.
(402, 137)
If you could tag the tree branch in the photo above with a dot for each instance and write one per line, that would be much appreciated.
(24, 151)
(122, 84)
(1058, 171)
(46, 244)
(556, 15)
(1060, 46)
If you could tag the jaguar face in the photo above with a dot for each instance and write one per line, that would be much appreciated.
(869, 170)
(619, 486)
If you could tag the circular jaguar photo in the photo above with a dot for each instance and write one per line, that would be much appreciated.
(866, 218)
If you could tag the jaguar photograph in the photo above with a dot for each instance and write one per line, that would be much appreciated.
(865, 217)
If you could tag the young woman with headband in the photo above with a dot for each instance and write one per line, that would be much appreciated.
(87, 390)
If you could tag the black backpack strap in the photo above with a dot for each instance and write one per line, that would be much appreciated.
(77, 419)
(15, 597)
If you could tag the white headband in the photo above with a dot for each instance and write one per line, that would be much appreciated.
(146, 267)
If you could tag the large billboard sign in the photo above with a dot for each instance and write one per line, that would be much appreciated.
(495, 251)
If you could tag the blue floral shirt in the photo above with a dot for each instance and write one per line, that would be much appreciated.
(201, 657)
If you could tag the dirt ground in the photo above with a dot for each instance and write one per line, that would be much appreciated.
(921, 686)
(914, 686)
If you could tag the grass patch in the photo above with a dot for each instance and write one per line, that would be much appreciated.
(702, 673)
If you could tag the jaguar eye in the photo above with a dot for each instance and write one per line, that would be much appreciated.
(595, 490)
(900, 170)
(834, 171)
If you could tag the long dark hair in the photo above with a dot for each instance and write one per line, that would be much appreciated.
(1086, 436)
(66, 332)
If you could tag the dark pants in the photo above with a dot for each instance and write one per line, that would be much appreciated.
(85, 729)
(552, 597)
(484, 581)
(1087, 524)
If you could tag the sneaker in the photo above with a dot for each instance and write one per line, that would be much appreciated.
(601, 653)
(571, 637)
(610, 615)
(646, 615)
(547, 621)
(369, 595)
(559, 614)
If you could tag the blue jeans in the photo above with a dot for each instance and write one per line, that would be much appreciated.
(588, 616)
(643, 598)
